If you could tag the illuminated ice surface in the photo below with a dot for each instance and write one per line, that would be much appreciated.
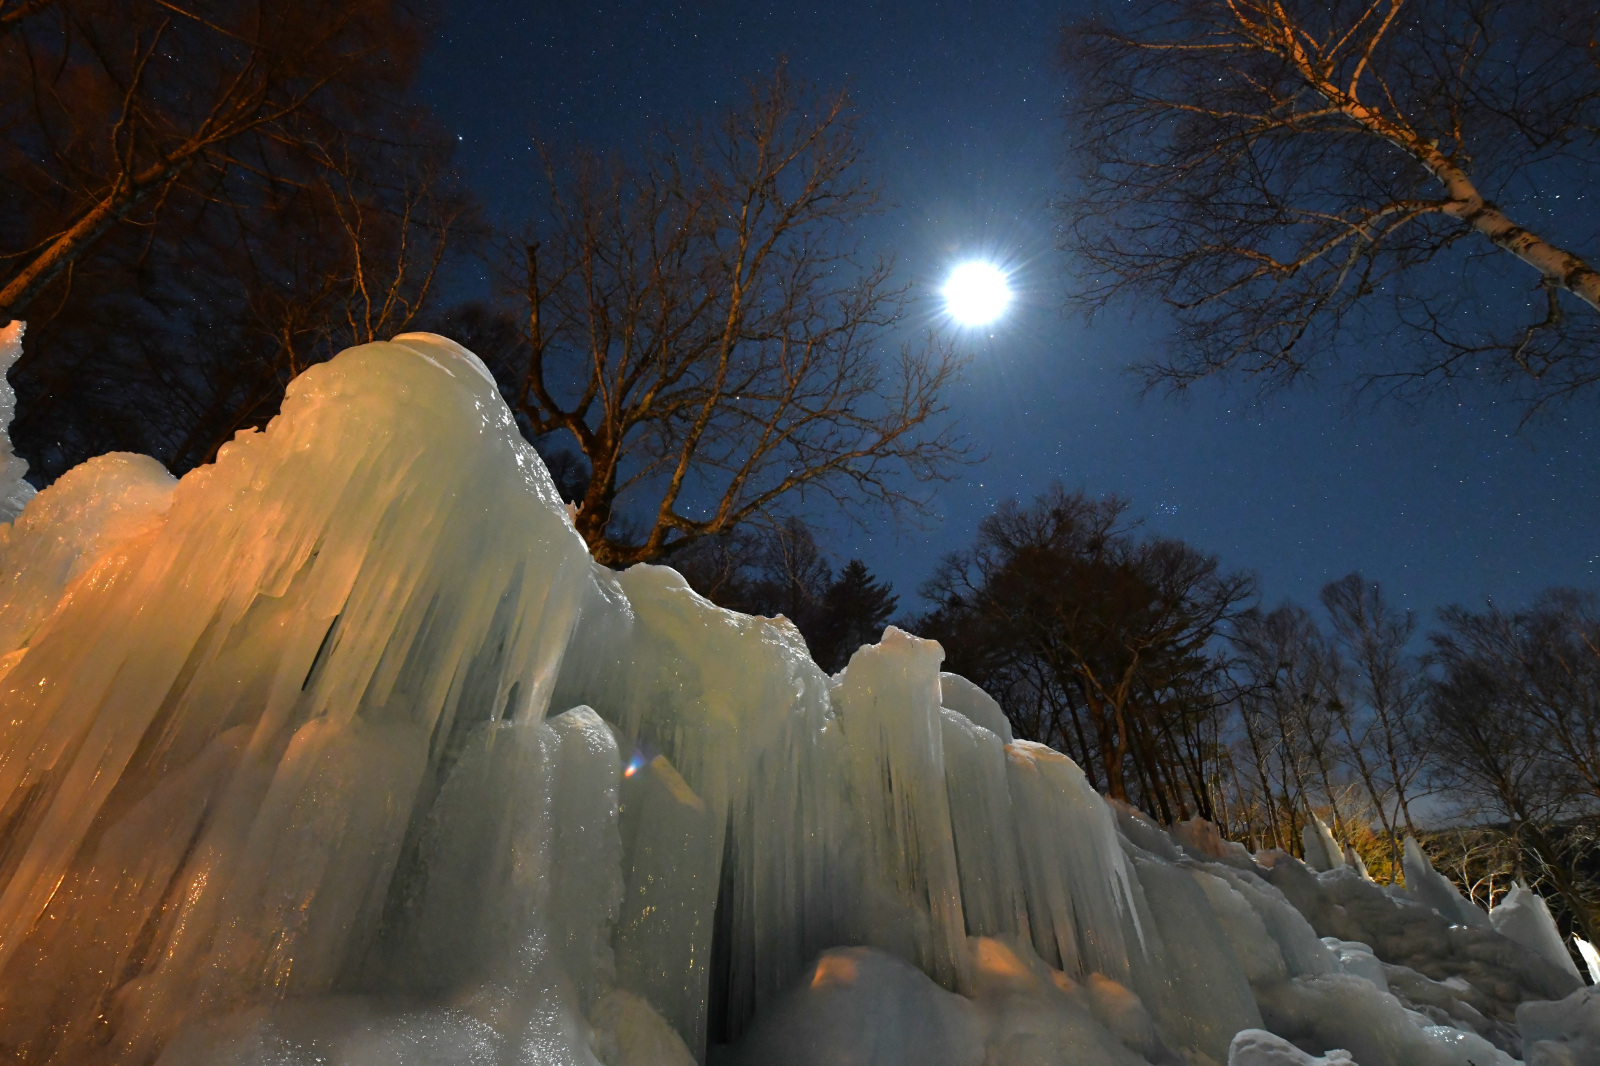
(342, 750)
(14, 492)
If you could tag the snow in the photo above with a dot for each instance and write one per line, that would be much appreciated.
(864, 1005)
(1563, 1033)
(343, 750)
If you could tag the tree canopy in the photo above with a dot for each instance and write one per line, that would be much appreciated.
(699, 326)
(1395, 182)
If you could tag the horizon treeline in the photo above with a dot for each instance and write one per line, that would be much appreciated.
(1177, 691)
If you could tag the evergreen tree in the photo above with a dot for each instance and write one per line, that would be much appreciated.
(855, 609)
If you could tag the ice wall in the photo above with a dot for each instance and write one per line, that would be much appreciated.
(223, 738)
(343, 750)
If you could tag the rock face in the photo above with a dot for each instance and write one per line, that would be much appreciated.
(343, 750)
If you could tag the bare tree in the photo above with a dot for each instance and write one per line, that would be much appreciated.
(1287, 701)
(700, 327)
(348, 253)
(1061, 608)
(1491, 718)
(191, 329)
(1295, 179)
(1377, 712)
(110, 106)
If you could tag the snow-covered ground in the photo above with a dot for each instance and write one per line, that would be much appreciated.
(342, 750)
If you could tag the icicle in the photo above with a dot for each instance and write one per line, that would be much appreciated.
(1591, 959)
(1078, 886)
(1322, 851)
(980, 820)
(672, 869)
(217, 744)
(1353, 859)
(280, 785)
(887, 701)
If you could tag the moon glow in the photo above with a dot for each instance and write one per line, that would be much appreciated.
(976, 293)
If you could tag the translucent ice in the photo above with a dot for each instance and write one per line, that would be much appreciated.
(1523, 916)
(223, 744)
(72, 528)
(1428, 886)
(1591, 959)
(1322, 851)
(14, 492)
(965, 698)
(343, 750)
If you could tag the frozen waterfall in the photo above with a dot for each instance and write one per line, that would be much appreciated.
(343, 750)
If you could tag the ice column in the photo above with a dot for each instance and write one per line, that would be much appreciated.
(887, 700)
(981, 820)
(1079, 895)
(672, 847)
(737, 709)
(216, 749)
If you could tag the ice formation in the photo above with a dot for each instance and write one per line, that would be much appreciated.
(1523, 916)
(1322, 851)
(1429, 886)
(342, 750)
(1591, 959)
(14, 492)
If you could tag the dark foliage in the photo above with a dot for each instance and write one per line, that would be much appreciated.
(1096, 640)
(207, 200)
(1514, 707)
(780, 570)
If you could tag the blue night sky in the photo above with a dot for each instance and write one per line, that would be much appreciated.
(961, 106)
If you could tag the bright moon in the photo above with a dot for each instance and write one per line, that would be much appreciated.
(976, 293)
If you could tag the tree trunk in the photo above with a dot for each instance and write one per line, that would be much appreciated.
(1559, 266)
(65, 249)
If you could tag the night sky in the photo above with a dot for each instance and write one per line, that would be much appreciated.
(961, 107)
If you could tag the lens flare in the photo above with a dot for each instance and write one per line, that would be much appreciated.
(976, 293)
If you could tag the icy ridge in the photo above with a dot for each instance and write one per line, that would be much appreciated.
(344, 750)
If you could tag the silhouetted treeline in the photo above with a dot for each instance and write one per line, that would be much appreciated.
(781, 570)
(202, 200)
(1098, 640)
(1153, 667)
